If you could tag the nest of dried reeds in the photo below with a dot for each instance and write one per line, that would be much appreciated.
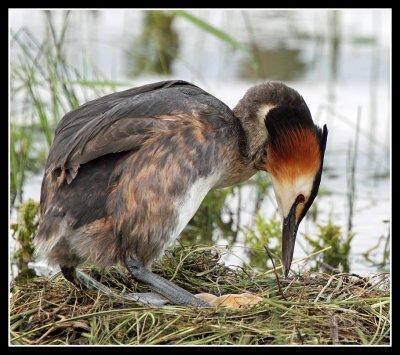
(312, 308)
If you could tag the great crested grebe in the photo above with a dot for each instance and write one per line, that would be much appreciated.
(127, 171)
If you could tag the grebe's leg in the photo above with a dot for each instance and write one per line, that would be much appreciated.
(145, 298)
(84, 281)
(177, 295)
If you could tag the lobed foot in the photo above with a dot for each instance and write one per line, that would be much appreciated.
(231, 300)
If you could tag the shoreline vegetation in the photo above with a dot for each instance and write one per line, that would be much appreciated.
(306, 308)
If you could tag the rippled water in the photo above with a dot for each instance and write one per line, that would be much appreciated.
(338, 63)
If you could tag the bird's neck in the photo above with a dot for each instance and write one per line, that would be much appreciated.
(240, 156)
(255, 134)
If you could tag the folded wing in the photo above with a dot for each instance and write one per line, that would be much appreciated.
(118, 122)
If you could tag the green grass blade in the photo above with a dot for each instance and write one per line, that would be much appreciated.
(205, 26)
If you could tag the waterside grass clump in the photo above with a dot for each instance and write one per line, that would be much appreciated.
(312, 308)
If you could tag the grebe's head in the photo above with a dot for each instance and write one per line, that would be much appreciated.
(293, 156)
(283, 140)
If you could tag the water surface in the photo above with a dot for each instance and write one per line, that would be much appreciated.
(338, 61)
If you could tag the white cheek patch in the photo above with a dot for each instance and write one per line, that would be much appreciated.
(262, 112)
(286, 192)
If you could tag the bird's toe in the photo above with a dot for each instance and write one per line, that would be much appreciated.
(231, 300)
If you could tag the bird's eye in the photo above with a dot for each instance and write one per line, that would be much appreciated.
(300, 199)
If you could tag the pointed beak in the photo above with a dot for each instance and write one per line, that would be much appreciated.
(289, 232)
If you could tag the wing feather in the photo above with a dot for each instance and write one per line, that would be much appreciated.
(118, 122)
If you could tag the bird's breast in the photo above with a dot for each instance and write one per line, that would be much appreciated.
(189, 203)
